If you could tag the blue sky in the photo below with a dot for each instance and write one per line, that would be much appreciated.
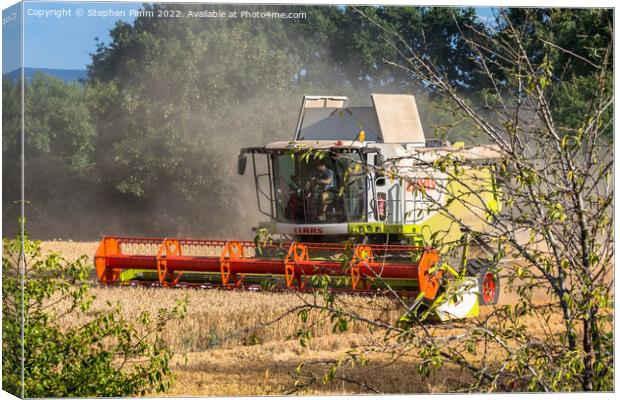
(61, 35)
(66, 41)
(10, 38)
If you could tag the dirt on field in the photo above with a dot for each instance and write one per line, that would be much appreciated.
(229, 345)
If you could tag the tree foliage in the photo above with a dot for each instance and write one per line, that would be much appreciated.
(355, 52)
(59, 138)
(71, 351)
(574, 44)
(11, 143)
(165, 139)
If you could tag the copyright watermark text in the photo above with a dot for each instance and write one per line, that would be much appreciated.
(160, 13)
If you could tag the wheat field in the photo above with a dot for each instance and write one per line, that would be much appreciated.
(222, 347)
(228, 344)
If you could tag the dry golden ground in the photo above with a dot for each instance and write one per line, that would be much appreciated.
(220, 358)
(266, 370)
(225, 349)
(69, 249)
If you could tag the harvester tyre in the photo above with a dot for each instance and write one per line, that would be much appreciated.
(488, 281)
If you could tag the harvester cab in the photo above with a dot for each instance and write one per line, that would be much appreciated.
(365, 173)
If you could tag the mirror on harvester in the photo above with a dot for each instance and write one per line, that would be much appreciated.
(241, 163)
(378, 159)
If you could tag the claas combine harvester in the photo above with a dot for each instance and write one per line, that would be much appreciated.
(335, 211)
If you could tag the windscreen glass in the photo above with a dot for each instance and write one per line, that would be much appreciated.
(329, 190)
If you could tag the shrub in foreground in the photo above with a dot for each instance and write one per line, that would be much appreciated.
(68, 349)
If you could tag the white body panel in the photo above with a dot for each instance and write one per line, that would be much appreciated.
(465, 305)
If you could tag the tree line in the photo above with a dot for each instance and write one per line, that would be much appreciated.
(146, 145)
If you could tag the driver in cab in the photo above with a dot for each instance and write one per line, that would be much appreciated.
(323, 184)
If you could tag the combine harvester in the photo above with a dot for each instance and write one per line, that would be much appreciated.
(337, 212)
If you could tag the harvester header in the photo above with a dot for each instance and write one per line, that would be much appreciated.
(232, 264)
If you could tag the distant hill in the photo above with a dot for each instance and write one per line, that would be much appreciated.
(67, 75)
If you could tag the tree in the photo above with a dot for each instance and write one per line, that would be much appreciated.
(574, 44)
(58, 124)
(558, 193)
(354, 46)
(59, 141)
(175, 104)
(11, 150)
(553, 31)
(68, 350)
